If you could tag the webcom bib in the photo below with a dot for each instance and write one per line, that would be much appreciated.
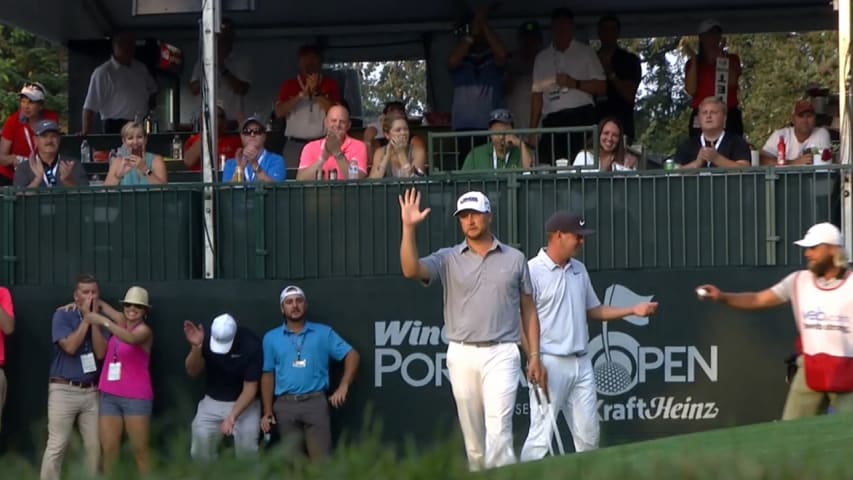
(825, 321)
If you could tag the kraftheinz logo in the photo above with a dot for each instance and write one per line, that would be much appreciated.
(620, 363)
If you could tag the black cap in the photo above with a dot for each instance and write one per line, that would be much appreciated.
(566, 222)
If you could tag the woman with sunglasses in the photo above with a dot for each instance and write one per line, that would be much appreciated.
(132, 165)
(402, 156)
(125, 384)
(612, 154)
(253, 163)
(18, 141)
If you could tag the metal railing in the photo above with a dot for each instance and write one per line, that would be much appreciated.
(447, 150)
(656, 219)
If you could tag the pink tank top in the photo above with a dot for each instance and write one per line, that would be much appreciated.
(135, 380)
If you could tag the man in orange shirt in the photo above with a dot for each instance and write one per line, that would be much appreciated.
(227, 144)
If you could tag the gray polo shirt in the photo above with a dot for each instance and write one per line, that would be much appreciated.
(482, 295)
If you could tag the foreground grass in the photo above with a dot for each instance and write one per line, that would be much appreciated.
(806, 449)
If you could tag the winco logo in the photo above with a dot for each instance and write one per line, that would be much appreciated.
(620, 363)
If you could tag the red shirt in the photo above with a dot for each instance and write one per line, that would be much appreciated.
(705, 83)
(8, 309)
(226, 145)
(18, 133)
(328, 86)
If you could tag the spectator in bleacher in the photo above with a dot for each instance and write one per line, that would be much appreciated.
(72, 391)
(132, 164)
(374, 136)
(7, 326)
(333, 152)
(623, 72)
(802, 139)
(233, 79)
(17, 143)
(45, 168)
(227, 143)
(120, 90)
(253, 163)
(305, 101)
(612, 154)
(706, 75)
(402, 155)
(519, 73)
(567, 76)
(476, 67)
(504, 150)
(125, 384)
(714, 147)
(296, 375)
(232, 357)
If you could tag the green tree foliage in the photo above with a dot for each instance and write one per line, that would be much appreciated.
(25, 57)
(777, 70)
(403, 80)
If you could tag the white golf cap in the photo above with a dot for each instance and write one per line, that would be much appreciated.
(475, 201)
(222, 333)
(821, 233)
(290, 291)
(34, 91)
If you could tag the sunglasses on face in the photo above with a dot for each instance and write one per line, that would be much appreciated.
(34, 85)
(253, 132)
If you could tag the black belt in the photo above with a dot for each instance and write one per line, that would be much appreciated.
(490, 343)
(63, 381)
(302, 397)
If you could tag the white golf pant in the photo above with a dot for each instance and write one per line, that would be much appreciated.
(571, 389)
(485, 382)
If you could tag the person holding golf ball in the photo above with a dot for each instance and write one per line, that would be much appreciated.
(565, 299)
(822, 300)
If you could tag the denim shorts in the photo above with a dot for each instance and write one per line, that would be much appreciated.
(113, 406)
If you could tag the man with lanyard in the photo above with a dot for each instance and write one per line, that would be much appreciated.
(503, 150)
(624, 74)
(822, 299)
(566, 77)
(45, 168)
(7, 326)
(72, 390)
(304, 101)
(295, 375)
(17, 142)
(715, 147)
(335, 152)
(565, 300)
(253, 163)
(232, 356)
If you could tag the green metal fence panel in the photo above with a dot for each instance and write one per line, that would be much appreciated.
(7, 236)
(118, 235)
(805, 196)
(652, 221)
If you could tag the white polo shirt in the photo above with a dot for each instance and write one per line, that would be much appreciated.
(239, 67)
(579, 61)
(120, 91)
(794, 148)
(562, 297)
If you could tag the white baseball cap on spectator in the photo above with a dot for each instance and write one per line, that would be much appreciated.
(476, 201)
(34, 91)
(222, 333)
(290, 291)
(821, 233)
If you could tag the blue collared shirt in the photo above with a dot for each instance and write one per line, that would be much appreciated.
(270, 163)
(315, 345)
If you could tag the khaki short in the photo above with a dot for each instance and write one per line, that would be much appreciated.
(804, 402)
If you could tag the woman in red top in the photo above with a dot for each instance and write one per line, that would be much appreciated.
(18, 141)
(227, 144)
(700, 73)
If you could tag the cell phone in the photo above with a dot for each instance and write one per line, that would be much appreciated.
(122, 152)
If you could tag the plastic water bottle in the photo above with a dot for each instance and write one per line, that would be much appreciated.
(85, 152)
(177, 148)
(353, 172)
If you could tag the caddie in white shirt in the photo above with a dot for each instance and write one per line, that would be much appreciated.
(564, 298)
(822, 300)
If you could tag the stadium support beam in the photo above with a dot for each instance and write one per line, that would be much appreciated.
(210, 24)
